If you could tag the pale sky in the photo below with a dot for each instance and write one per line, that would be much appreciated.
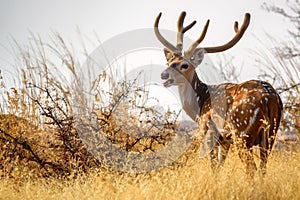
(110, 18)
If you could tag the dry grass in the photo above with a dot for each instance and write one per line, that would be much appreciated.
(192, 181)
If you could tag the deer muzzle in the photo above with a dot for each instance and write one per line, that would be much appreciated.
(166, 76)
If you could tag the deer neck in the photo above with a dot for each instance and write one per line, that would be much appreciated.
(194, 96)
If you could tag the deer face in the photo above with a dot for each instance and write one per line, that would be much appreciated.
(181, 68)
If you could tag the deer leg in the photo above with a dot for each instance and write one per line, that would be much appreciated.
(218, 155)
(263, 144)
(210, 145)
(263, 160)
(247, 157)
(222, 152)
(216, 145)
(251, 166)
(213, 157)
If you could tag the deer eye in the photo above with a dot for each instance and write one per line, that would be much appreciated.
(184, 66)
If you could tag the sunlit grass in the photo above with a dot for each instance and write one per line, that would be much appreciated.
(193, 181)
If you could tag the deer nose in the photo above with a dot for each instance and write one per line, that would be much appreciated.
(164, 75)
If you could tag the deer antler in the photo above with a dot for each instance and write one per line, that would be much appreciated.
(161, 38)
(234, 40)
(181, 31)
(200, 39)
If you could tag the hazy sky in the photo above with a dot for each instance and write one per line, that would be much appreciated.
(109, 18)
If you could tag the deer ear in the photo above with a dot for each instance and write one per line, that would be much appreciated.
(197, 56)
(168, 54)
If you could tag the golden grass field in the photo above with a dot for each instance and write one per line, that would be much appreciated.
(193, 180)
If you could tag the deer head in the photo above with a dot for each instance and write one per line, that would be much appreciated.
(181, 65)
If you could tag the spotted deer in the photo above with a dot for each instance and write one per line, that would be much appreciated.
(248, 112)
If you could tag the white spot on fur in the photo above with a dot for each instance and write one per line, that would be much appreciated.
(266, 99)
(252, 119)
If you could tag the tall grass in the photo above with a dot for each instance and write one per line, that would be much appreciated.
(192, 181)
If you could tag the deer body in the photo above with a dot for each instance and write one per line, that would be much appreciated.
(249, 112)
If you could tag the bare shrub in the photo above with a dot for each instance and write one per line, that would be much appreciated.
(39, 132)
(283, 67)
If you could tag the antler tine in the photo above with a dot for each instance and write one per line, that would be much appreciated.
(200, 39)
(235, 39)
(188, 27)
(182, 30)
(161, 38)
(179, 31)
(236, 26)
